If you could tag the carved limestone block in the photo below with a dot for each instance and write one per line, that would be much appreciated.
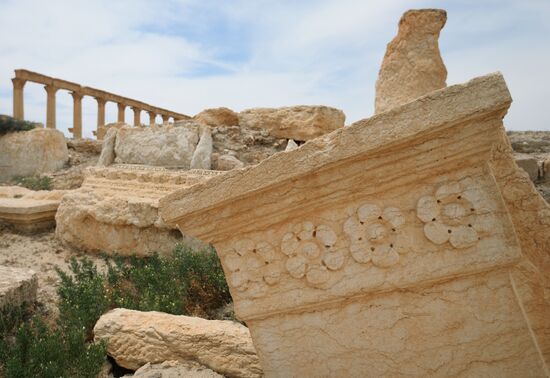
(382, 249)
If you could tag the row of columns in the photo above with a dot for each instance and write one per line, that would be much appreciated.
(19, 112)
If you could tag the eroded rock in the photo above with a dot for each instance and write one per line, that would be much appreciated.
(217, 117)
(202, 157)
(165, 146)
(32, 152)
(412, 65)
(296, 122)
(137, 338)
(116, 210)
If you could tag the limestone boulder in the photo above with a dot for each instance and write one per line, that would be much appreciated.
(296, 122)
(202, 157)
(116, 210)
(17, 286)
(32, 152)
(529, 164)
(228, 162)
(136, 338)
(412, 65)
(174, 369)
(217, 117)
(107, 156)
(165, 146)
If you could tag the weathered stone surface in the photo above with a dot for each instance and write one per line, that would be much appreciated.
(217, 117)
(17, 285)
(228, 162)
(165, 146)
(88, 146)
(546, 170)
(107, 156)
(529, 212)
(393, 229)
(27, 210)
(102, 130)
(136, 338)
(174, 369)
(529, 164)
(296, 122)
(248, 145)
(116, 209)
(32, 152)
(412, 65)
(202, 157)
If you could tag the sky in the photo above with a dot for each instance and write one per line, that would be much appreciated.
(189, 55)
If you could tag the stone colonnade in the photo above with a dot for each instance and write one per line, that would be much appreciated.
(52, 85)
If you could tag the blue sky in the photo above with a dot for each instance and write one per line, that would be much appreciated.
(187, 55)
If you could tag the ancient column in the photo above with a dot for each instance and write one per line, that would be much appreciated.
(18, 98)
(100, 112)
(50, 105)
(152, 116)
(384, 249)
(165, 119)
(121, 109)
(137, 116)
(77, 115)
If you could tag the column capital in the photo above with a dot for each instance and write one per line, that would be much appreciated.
(77, 95)
(51, 89)
(18, 83)
(100, 101)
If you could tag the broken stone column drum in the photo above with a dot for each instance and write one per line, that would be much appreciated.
(382, 249)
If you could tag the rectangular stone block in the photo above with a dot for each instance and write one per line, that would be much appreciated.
(382, 249)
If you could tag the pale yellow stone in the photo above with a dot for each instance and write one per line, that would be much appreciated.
(217, 117)
(32, 152)
(362, 288)
(412, 65)
(296, 122)
(116, 210)
(136, 338)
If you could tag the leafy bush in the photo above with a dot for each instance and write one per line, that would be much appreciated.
(38, 351)
(34, 182)
(82, 296)
(9, 124)
(189, 282)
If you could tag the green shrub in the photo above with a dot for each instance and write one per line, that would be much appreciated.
(9, 124)
(82, 296)
(186, 283)
(34, 182)
(38, 351)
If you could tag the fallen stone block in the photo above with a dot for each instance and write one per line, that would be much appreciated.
(295, 122)
(27, 210)
(217, 117)
(385, 247)
(529, 164)
(17, 286)
(116, 210)
(136, 338)
(26, 153)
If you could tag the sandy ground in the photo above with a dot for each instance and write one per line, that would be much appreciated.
(41, 252)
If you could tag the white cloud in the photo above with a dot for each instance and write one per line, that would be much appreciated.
(259, 53)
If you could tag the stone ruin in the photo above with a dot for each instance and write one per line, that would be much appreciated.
(409, 243)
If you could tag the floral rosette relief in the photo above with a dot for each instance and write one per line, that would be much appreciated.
(311, 252)
(373, 234)
(252, 266)
(448, 217)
